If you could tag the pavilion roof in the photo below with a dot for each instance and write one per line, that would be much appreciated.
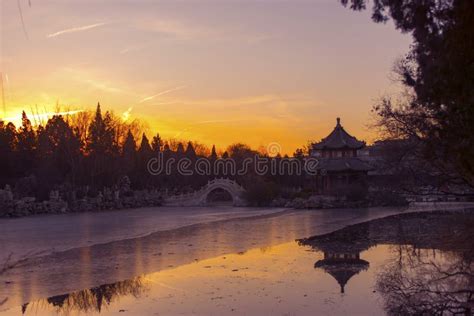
(342, 270)
(339, 139)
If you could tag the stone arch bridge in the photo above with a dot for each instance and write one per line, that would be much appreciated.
(199, 197)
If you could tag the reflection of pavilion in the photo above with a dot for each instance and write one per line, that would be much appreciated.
(341, 253)
(342, 265)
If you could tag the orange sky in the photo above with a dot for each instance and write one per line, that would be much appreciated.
(216, 72)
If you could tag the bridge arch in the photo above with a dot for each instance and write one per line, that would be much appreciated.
(219, 196)
(199, 197)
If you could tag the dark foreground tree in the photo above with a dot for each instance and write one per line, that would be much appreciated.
(438, 72)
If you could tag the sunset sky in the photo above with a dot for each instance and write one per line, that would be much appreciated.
(213, 71)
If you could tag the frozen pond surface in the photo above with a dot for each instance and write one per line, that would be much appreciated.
(198, 261)
(39, 235)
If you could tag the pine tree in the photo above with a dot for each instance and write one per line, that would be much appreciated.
(102, 149)
(96, 133)
(100, 138)
(213, 155)
(8, 140)
(145, 152)
(145, 147)
(65, 145)
(156, 143)
(26, 144)
(129, 147)
(129, 156)
(180, 150)
(190, 152)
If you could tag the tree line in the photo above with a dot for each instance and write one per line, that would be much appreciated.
(92, 150)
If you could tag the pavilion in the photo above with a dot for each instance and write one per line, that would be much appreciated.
(338, 161)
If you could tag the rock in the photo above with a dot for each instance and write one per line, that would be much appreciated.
(28, 199)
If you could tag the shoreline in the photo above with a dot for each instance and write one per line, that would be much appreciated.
(412, 205)
(50, 222)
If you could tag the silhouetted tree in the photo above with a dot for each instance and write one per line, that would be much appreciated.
(240, 151)
(129, 156)
(145, 152)
(190, 152)
(213, 155)
(259, 192)
(299, 153)
(438, 109)
(145, 148)
(59, 155)
(66, 145)
(101, 148)
(156, 143)
(180, 150)
(8, 141)
(26, 145)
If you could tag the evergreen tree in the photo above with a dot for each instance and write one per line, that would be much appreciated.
(129, 155)
(101, 134)
(96, 133)
(65, 146)
(129, 146)
(213, 155)
(166, 147)
(8, 139)
(59, 155)
(145, 152)
(26, 145)
(180, 150)
(43, 146)
(145, 148)
(190, 152)
(102, 149)
(156, 143)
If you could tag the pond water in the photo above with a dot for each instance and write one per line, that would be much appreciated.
(252, 266)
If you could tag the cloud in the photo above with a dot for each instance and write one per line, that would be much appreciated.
(89, 77)
(161, 93)
(189, 30)
(102, 86)
(175, 29)
(76, 29)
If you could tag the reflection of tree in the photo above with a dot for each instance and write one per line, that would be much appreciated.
(93, 299)
(423, 282)
(432, 272)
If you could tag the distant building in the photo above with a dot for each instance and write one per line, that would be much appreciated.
(399, 166)
(339, 163)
